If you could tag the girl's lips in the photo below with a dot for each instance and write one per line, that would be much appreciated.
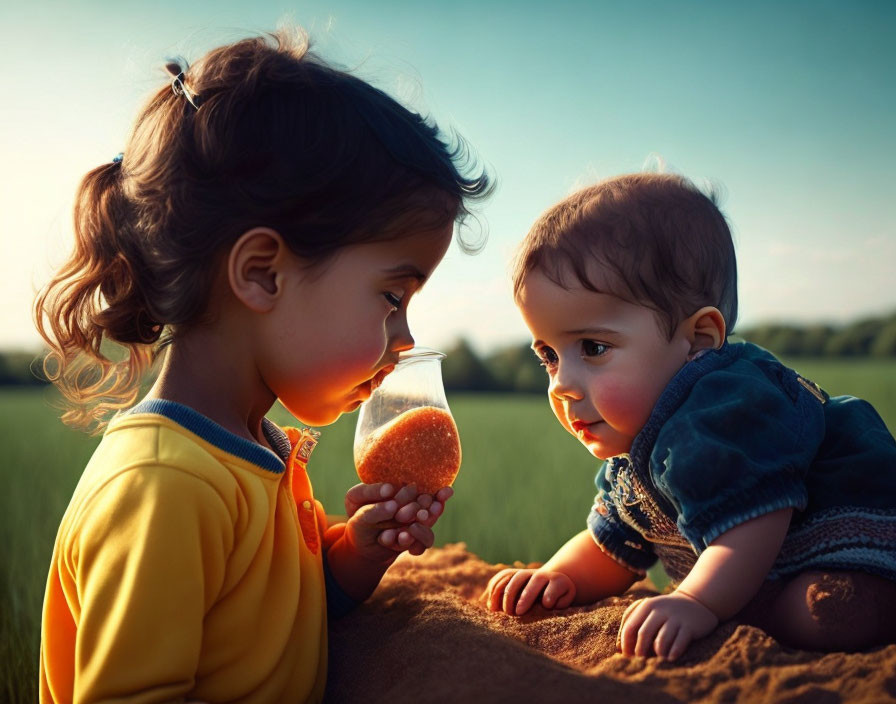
(380, 376)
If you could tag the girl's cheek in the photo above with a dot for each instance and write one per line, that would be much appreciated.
(361, 349)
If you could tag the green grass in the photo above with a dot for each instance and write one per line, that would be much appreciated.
(524, 488)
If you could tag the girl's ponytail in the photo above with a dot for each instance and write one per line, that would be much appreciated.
(97, 294)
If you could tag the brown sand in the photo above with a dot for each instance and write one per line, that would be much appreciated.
(425, 637)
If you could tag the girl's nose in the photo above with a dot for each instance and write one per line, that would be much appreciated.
(400, 337)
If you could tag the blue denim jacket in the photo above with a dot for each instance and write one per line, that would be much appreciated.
(736, 435)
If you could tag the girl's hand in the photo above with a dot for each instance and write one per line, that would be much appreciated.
(664, 625)
(514, 591)
(383, 523)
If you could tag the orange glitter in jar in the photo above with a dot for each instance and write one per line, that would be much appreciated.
(421, 446)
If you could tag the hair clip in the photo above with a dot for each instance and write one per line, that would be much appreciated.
(118, 158)
(177, 85)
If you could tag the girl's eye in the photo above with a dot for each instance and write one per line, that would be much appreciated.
(393, 300)
(590, 348)
(547, 357)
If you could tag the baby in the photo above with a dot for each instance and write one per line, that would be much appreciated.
(760, 495)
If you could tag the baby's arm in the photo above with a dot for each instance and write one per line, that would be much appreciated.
(726, 576)
(578, 573)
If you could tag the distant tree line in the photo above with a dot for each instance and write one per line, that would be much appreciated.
(516, 369)
(512, 368)
(18, 368)
(869, 337)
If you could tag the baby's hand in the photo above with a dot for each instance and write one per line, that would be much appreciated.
(514, 591)
(664, 625)
(383, 522)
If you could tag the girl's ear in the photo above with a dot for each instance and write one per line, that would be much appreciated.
(705, 329)
(256, 268)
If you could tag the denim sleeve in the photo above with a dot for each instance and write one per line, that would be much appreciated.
(738, 448)
(615, 537)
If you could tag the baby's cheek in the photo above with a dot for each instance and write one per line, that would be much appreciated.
(560, 413)
(625, 407)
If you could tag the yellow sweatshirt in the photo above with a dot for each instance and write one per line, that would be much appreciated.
(187, 567)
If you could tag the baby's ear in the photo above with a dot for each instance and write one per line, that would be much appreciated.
(255, 268)
(705, 329)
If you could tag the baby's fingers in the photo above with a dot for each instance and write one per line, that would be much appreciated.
(512, 591)
(665, 639)
(648, 632)
(558, 594)
(530, 593)
(495, 589)
(680, 644)
(630, 624)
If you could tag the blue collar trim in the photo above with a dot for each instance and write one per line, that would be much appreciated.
(219, 436)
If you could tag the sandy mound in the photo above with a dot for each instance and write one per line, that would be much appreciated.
(424, 637)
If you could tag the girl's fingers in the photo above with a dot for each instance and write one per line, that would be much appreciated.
(371, 514)
(443, 494)
(362, 494)
(425, 500)
(406, 494)
(421, 533)
(429, 516)
(386, 538)
(409, 512)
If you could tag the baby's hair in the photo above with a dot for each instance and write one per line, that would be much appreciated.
(257, 133)
(663, 242)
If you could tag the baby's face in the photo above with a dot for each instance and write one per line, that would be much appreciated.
(608, 360)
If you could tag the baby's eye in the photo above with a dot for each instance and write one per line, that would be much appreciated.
(590, 348)
(394, 301)
(547, 357)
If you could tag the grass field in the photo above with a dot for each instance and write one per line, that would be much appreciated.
(524, 488)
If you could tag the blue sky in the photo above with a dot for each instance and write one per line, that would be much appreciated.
(788, 106)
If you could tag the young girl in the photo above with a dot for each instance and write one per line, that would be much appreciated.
(268, 224)
(750, 484)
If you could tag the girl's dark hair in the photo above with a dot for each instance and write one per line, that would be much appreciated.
(279, 139)
(663, 242)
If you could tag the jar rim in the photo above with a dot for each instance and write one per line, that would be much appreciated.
(416, 354)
